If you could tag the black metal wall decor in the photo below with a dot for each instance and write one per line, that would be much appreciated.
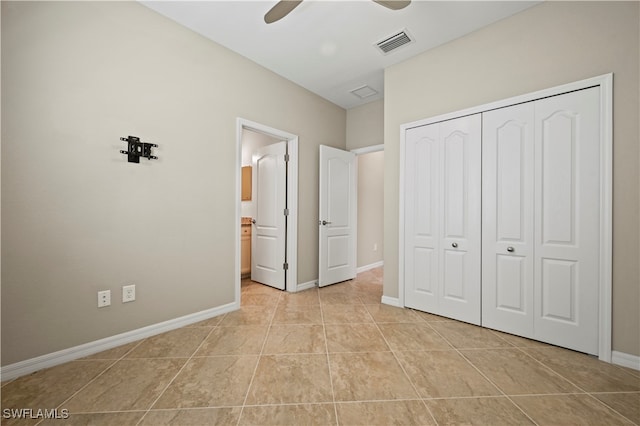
(137, 149)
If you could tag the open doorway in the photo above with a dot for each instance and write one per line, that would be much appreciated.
(370, 245)
(255, 137)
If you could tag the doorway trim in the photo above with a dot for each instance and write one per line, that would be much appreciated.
(368, 149)
(605, 83)
(291, 273)
(363, 151)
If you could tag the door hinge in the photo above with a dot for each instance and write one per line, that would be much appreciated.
(286, 212)
(285, 266)
(286, 158)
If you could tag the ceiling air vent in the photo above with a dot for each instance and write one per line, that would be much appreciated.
(393, 42)
(364, 91)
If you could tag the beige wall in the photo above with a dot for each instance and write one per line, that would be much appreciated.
(548, 45)
(365, 125)
(370, 208)
(365, 128)
(77, 218)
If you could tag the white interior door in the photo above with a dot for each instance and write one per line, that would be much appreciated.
(507, 223)
(567, 219)
(442, 223)
(268, 236)
(337, 216)
(460, 200)
(422, 223)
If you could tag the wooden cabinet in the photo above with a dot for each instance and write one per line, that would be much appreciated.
(245, 251)
(246, 183)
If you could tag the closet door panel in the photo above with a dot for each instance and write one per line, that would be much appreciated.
(510, 150)
(559, 180)
(567, 220)
(454, 276)
(460, 202)
(559, 297)
(455, 179)
(507, 229)
(422, 229)
(512, 292)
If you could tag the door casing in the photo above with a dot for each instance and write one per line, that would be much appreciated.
(292, 200)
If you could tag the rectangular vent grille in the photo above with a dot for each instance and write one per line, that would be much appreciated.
(364, 91)
(393, 42)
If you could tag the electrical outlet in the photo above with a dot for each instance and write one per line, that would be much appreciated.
(128, 293)
(104, 298)
(375, 247)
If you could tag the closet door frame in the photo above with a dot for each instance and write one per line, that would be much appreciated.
(605, 83)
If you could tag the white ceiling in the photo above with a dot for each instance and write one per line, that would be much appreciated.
(328, 46)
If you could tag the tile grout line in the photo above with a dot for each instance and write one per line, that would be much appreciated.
(115, 361)
(550, 368)
(178, 373)
(611, 408)
(511, 346)
(415, 389)
(326, 348)
(629, 371)
(583, 391)
(255, 369)
(522, 349)
(504, 394)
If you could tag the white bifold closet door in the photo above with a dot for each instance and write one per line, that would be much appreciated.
(541, 219)
(442, 218)
(507, 225)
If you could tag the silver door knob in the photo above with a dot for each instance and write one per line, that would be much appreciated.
(324, 222)
(253, 221)
(454, 245)
(510, 249)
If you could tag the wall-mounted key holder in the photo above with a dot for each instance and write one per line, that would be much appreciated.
(137, 149)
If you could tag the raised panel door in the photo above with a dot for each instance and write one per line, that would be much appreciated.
(442, 218)
(507, 224)
(422, 221)
(460, 210)
(337, 213)
(567, 220)
(268, 237)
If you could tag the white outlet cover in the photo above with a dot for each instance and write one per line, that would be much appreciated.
(128, 293)
(104, 298)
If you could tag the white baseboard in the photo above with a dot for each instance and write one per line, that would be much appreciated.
(393, 301)
(625, 360)
(369, 266)
(21, 368)
(307, 285)
(314, 283)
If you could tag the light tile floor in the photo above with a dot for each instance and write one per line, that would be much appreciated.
(331, 356)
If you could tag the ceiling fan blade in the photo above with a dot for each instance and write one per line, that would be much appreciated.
(280, 10)
(393, 4)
